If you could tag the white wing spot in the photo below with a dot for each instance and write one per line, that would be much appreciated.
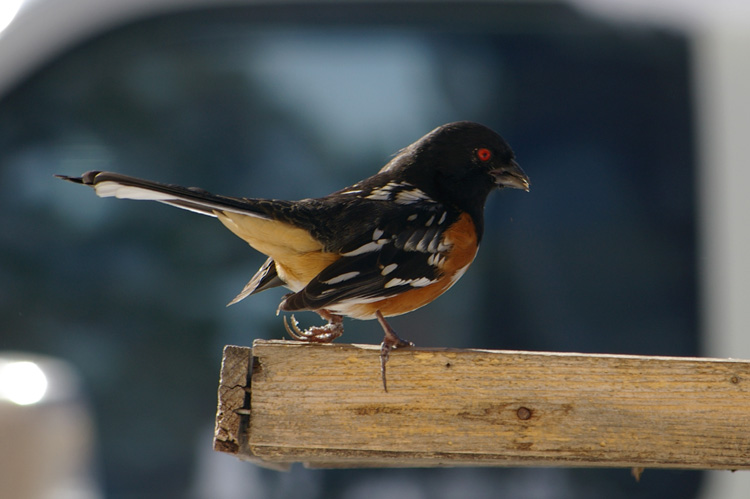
(381, 194)
(388, 269)
(366, 248)
(429, 222)
(412, 196)
(425, 241)
(411, 218)
(442, 218)
(376, 234)
(395, 282)
(384, 193)
(436, 260)
(434, 244)
(414, 283)
(421, 282)
(341, 278)
(411, 243)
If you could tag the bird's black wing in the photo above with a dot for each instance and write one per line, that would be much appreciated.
(404, 249)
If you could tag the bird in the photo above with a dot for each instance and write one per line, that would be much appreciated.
(385, 246)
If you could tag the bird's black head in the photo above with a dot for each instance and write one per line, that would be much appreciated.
(462, 162)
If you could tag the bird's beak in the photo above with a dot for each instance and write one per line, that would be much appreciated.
(511, 175)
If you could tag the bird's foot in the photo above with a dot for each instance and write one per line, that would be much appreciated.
(317, 334)
(391, 341)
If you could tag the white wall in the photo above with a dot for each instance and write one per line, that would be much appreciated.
(722, 75)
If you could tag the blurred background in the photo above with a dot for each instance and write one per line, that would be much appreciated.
(630, 118)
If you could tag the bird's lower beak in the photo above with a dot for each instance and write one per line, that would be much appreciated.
(511, 176)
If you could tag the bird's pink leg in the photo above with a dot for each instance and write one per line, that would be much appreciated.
(391, 341)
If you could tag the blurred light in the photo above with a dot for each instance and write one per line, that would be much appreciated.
(8, 11)
(22, 383)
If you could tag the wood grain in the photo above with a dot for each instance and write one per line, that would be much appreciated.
(324, 405)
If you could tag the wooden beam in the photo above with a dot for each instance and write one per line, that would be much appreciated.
(324, 405)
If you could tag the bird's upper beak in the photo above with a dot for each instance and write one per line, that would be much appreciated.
(511, 175)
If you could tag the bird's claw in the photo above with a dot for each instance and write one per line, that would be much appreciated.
(315, 334)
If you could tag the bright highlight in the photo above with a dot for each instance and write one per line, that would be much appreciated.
(8, 11)
(22, 383)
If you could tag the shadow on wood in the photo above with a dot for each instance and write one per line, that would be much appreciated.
(324, 405)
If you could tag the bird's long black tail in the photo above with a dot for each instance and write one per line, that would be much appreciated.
(109, 184)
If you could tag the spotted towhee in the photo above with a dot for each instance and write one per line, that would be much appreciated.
(385, 246)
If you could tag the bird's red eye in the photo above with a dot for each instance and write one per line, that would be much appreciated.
(484, 154)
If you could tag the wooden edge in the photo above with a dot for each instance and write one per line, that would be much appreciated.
(233, 411)
(323, 405)
(233, 399)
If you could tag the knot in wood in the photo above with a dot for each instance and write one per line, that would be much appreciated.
(523, 413)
